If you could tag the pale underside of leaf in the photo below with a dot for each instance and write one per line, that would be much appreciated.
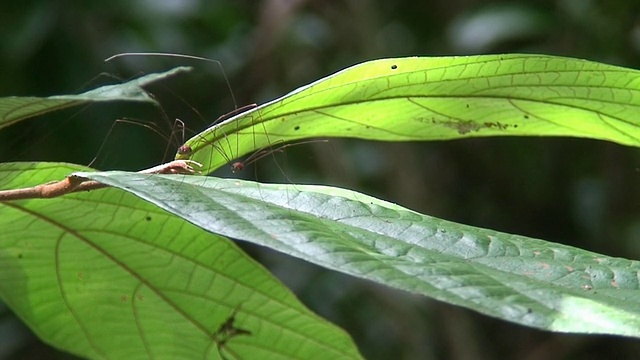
(15, 108)
(515, 278)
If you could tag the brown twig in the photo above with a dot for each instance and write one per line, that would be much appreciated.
(72, 183)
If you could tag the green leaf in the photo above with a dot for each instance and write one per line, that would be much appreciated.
(415, 99)
(515, 278)
(15, 108)
(106, 275)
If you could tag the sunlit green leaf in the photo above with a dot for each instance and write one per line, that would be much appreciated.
(437, 98)
(105, 275)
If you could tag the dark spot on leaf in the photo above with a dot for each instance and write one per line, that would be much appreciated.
(466, 127)
(19, 256)
(296, 128)
(148, 218)
(529, 310)
(467, 106)
(496, 125)
(526, 116)
(393, 67)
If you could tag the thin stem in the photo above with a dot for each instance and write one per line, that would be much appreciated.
(73, 183)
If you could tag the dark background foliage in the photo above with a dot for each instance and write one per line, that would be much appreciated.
(579, 192)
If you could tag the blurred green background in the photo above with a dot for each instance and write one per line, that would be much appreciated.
(579, 192)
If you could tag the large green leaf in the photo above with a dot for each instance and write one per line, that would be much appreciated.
(515, 278)
(106, 275)
(438, 98)
(17, 108)
(99, 274)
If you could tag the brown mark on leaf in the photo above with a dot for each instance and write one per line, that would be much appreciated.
(466, 126)
(545, 266)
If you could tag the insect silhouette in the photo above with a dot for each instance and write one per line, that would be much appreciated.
(266, 151)
(185, 151)
(227, 331)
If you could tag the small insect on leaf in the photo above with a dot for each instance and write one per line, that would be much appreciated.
(185, 150)
(228, 331)
(237, 166)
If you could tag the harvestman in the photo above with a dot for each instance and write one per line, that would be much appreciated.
(186, 150)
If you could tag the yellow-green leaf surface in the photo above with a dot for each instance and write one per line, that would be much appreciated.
(437, 98)
(17, 108)
(105, 275)
(523, 280)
